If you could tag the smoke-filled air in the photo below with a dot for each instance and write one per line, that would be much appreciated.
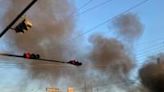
(128, 26)
(107, 61)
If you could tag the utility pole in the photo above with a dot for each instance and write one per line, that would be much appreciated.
(85, 86)
(91, 87)
(16, 19)
(97, 90)
(158, 60)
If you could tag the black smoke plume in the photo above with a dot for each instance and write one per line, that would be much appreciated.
(53, 26)
(152, 75)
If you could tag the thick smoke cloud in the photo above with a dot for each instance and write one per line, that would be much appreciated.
(110, 56)
(128, 26)
(53, 26)
(152, 75)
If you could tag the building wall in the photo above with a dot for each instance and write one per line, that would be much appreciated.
(52, 90)
(70, 89)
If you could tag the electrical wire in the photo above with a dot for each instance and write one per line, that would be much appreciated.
(94, 7)
(114, 16)
(150, 42)
(160, 46)
(85, 4)
(110, 19)
(39, 63)
(7, 64)
(145, 49)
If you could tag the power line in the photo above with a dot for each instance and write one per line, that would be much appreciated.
(151, 48)
(83, 6)
(150, 41)
(140, 56)
(152, 45)
(94, 7)
(41, 63)
(152, 52)
(149, 52)
(110, 19)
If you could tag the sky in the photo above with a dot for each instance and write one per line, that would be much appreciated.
(150, 43)
(149, 13)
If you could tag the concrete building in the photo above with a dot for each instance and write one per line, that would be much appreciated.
(52, 90)
(70, 89)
